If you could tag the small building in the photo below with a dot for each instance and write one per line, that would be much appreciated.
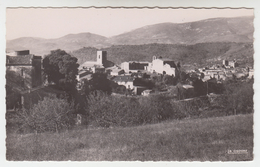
(225, 62)
(83, 74)
(126, 80)
(233, 64)
(116, 72)
(213, 73)
(250, 73)
(134, 66)
(163, 66)
(139, 89)
(109, 69)
(27, 66)
(230, 64)
(18, 53)
(229, 74)
(146, 92)
(240, 74)
(98, 69)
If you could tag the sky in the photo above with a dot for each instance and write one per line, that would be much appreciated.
(57, 22)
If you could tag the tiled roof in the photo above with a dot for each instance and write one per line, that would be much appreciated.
(187, 86)
(26, 59)
(165, 59)
(83, 73)
(21, 60)
(88, 77)
(113, 67)
(89, 64)
(116, 70)
(140, 62)
(123, 78)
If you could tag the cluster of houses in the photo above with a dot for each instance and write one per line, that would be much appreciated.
(121, 74)
(29, 68)
(229, 69)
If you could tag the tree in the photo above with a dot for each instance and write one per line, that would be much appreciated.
(61, 68)
(168, 80)
(50, 114)
(200, 88)
(100, 82)
(238, 97)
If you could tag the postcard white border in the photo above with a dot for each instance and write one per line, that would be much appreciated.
(132, 3)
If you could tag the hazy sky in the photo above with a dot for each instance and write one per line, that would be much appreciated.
(57, 22)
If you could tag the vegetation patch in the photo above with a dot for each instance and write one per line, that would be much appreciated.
(180, 140)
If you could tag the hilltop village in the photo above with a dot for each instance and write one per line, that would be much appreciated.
(134, 78)
(129, 73)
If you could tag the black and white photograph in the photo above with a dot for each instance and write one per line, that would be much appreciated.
(129, 84)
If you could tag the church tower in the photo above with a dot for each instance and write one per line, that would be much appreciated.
(101, 57)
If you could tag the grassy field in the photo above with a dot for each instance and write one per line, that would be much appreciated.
(207, 139)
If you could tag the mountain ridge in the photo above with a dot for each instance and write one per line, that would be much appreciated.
(237, 29)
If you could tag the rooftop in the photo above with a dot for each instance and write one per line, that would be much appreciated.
(187, 86)
(141, 62)
(123, 78)
(116, 70)
(90, 64)
(164, 59)
(21, 60)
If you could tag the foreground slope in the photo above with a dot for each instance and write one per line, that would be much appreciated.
(211, 139)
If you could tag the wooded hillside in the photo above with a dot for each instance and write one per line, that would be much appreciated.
(198, 55)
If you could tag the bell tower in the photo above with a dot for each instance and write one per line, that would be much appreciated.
(101, 57)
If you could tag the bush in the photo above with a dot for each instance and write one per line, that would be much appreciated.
(155, 109)
(238, 97)
(106, 111)
(50, 114)
(190, 108)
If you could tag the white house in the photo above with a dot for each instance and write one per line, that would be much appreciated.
(115, 72)
(126, 80)
(134, 66)
(250, 73)
(163, 66)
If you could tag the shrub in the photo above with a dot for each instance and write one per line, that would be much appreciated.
(190, 108)
(238, 97)
(108, 111)
(155, 109)
(50, 114)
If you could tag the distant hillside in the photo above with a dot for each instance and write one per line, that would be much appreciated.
(40, 46)
(197, 55)
(239, 30)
